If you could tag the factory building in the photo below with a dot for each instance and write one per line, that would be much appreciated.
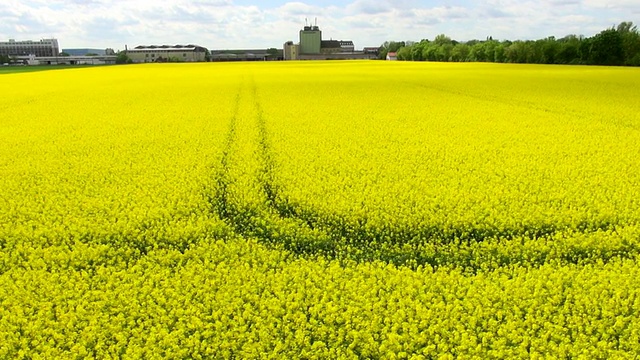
(313, 47)
(371, 50)
(167, 53)
(347, 46)
(310, 40)
(44, 47)
(291, 51)
(311, 43)
(247, 55)
(330, 47)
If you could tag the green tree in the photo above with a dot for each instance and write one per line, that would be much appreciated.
(477, 52)
(614, 46)
(417, 49)
(122, 58)
(390, 46)
(460, 52)
(429, 52)
(549, 50)
(499, 55)
(607, 48)
(533, 51)
(404, 53)
(443, 52)
(442, 39)
(489, 48)
(273, 53)
(568, 51)
(516, 52)
(585, 50)
(442, 47)
(630, 43)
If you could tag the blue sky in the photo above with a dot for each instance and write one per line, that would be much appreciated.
(232, 24)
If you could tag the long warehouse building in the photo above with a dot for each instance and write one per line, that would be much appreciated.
(167, 53)
(44, 47)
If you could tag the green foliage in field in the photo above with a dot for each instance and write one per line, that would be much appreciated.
(337, 210)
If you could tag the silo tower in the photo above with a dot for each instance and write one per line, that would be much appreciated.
(310, 39)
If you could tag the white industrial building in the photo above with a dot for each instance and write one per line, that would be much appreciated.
(44, 47)
(167, 53)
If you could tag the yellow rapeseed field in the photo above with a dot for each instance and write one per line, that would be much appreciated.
(320, 210)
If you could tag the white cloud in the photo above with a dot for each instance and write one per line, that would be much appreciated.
(613, 3)
(369, 7)
(226, 24)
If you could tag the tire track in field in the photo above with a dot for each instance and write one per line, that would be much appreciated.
(334, 237)
(269, 185)
(228, 195)
(302, 237)
(220, 199)
(217, 194)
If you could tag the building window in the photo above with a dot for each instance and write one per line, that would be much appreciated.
(184, 55)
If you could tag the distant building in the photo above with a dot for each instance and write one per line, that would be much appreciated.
(311, 43)
(312, 47)
(371, 50)
(347, 46)
(291, 50)
(247, 55)
(330, 47)
(392, 56)
(85, 51)
(167, 53)
(66, 60)
(44, 47)
(310, 40)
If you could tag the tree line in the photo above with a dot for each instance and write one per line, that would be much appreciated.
(614, 46)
